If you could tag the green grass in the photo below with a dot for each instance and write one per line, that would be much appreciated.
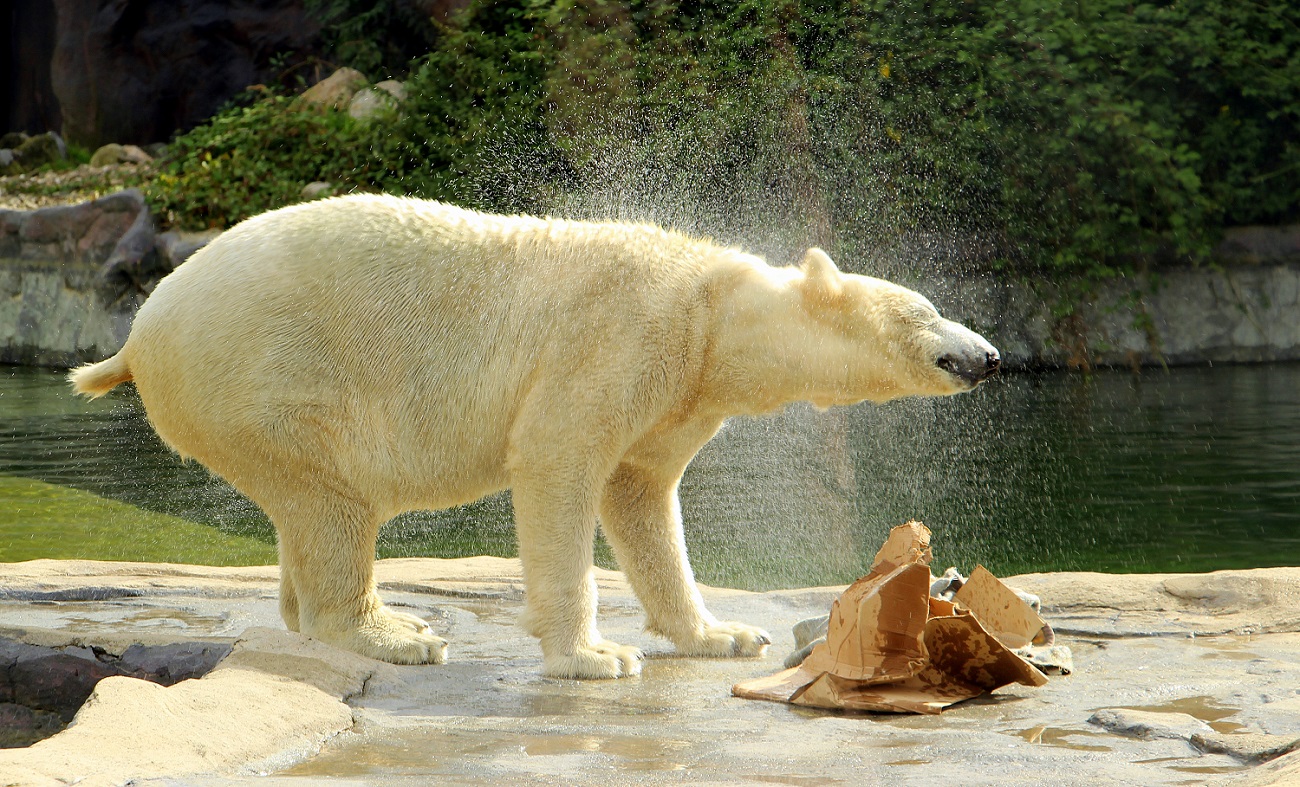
(43, 520)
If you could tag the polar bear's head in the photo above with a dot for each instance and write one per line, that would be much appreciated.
(892, 340)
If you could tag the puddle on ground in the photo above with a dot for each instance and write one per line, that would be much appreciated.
(426, 751)
(1059, 736)
(1208, 769)
(1207, 709)
(1189, 766)
(638, 753)
(1227, 647)
(148, 617)
(797, 781)
(488, 610)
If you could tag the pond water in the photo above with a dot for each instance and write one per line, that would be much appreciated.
(1183, 470)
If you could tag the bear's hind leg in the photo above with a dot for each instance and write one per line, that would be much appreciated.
(327, 548)
(288, 595)
(642, 521)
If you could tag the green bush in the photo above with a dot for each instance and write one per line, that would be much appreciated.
(1065, 136)
(251, 159)
(1108, 131)
(379, 38)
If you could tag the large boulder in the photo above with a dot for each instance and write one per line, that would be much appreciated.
(135, 71)
(335, 91)
(20, 153)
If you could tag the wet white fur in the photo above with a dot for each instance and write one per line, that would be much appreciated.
(346, 360)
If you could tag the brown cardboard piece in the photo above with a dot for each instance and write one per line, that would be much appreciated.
(891, 647)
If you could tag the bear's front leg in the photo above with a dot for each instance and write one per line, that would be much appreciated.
(556, 526)
(643, 523)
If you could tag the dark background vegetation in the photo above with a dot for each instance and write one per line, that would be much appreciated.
(1052, 137)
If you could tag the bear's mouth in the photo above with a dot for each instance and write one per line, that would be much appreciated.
(972, 371)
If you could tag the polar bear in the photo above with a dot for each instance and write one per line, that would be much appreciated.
(345, 360)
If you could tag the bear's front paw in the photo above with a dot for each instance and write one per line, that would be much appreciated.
(601, 661)
(724, 640)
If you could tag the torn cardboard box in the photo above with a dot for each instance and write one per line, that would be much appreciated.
(890, 646)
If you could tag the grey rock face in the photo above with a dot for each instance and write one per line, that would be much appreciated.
(71, 277)
(42, 688)
(137, 70)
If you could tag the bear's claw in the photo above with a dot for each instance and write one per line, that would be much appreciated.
(386, 635)
(726, 639)
(602, 661)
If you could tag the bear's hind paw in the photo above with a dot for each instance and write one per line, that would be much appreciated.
(726, 640)
(602, 661)
(395, 637)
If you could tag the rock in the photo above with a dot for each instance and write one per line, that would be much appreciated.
(113, 153)
(808, 634)
(42, 688)
(1259, 245)
(368, 102)
(1253, 747)
(275, 699)
(32, 153)
(73, 278)
(317, 189)
(140, 71)
(106, 155)
(394, 88)
(1149, 725)
(171, 664)
(12, 139)
(335, 91)
(134, 259)
(22, 726)
(59, 683)
(176, 246)
(1049, 659)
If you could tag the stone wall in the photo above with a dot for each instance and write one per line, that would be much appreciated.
(1243, 306)
(72, 277)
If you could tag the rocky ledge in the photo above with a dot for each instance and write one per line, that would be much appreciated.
(72, 276)
(1178, 679)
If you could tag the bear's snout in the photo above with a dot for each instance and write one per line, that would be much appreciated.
(973, 367)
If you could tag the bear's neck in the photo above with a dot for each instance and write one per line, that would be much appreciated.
(769, 351)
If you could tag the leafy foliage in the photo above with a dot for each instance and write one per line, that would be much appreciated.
(247, 160)
(379, 38)
(1063, 135)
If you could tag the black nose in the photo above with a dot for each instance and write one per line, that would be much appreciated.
(992, 361)
(973, 369)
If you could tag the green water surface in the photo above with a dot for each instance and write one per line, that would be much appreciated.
(1187, 470)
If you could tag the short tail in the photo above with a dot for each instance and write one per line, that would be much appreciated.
(96, 379)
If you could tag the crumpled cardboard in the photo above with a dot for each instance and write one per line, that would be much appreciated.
(890, 646)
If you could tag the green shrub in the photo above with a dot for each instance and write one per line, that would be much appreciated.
(1065, 136)
(247, 160)
(379, 38)
(1107, 132)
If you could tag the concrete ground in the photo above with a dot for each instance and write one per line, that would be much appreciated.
(1217, 654)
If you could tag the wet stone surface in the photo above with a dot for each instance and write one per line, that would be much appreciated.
(487, 717)
(42, 688)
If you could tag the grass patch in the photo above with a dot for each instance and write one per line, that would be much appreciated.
(41, 520)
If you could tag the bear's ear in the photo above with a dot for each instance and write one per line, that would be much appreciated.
(822, 283)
